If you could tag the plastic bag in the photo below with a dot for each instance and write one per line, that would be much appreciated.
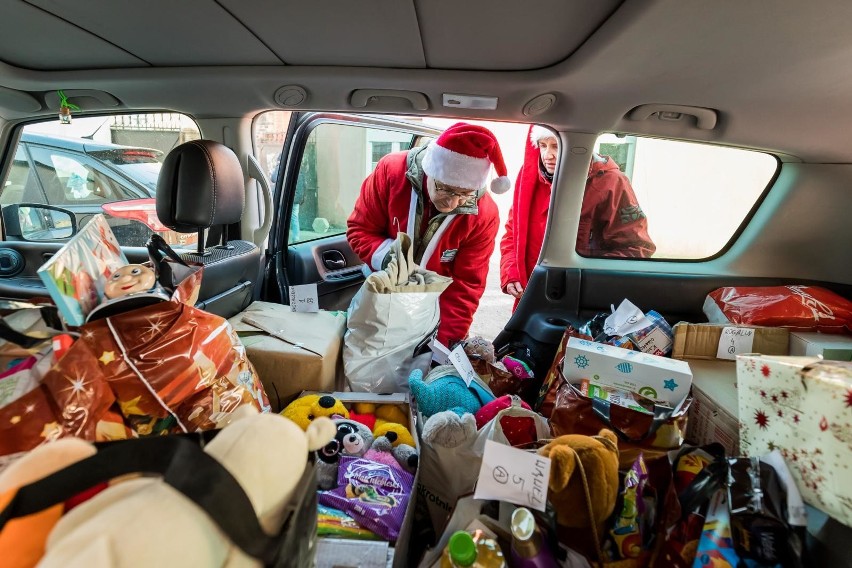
(389, 323)
(796, 307)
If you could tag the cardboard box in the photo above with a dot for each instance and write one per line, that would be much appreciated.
(702, 341)
(714, 414)
(292, 352)
(813, 343)
(659, 378)
(330, 551)
(801, 406)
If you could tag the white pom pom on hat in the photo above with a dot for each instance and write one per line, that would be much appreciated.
(462, 157)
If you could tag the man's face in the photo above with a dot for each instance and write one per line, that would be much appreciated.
(447, 197)
(549, 149)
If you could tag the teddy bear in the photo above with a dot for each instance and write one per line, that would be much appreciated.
(304, 409)
(352, 439)
(583, 468)
(382, 419)
(443, 389)
(119, 527)
(401, 456)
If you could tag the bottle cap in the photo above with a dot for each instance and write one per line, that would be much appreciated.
(523, 524)
(462, 548)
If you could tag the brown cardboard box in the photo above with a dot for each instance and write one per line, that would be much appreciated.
(701, 340)
(828, 346)
(292, 352)
(714, 414)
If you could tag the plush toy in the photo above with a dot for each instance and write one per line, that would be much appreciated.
(487, 413)
(382, 419)
(352, 439)
(397, 433)
(583, 468)
(120, 528)
(305, 409)
(401, 456)
(520, 431)
(444, 390)
(449, 430)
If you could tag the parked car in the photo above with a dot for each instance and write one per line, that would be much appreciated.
(87, 178)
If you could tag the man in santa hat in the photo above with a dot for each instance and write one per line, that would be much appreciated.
(612, 224)
(437, 195)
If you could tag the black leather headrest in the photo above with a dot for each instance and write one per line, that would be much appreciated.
(200, 185)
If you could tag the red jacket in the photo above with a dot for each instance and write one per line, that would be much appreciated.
(611, 222)
(459, 249)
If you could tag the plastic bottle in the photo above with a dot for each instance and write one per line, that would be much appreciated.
(472, 549)
(528, 547)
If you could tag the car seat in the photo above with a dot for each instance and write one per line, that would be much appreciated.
(201, 186)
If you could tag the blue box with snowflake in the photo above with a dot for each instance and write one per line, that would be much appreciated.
(664, 380)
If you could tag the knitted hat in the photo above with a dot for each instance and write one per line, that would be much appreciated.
(538, 133)
(462, 157)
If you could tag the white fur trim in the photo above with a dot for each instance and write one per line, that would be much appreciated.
(412, 214)
(433, 244)
(457, 170)
(500, 185)
(379, 255)
(538, 133)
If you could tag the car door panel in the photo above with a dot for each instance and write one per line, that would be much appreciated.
(330, 263)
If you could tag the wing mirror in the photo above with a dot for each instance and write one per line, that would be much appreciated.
(36, 222)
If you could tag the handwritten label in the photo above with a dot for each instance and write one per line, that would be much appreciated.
(735, 341)
(440, 352)
(458, 359)
(513, 475)
(303, 298)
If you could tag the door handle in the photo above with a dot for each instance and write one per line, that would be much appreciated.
(335, 264)
(333, 259)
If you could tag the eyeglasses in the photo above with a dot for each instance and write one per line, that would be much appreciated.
(447, 191)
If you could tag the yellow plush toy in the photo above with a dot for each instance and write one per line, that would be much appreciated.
(305, 409)
(389, 418)
(583, 485)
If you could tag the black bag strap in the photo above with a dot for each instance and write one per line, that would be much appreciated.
(49, 315)
(161, 254)
(182, 464)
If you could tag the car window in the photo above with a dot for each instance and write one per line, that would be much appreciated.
(106, 164)
(655, 198)
(335, 161)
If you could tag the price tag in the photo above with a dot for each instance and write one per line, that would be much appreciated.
(513, 475)
(458, 359)
(735, 341)
(303, 298)
(440, 352)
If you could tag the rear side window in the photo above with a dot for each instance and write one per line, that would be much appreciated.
(667, 199)
(105, 164)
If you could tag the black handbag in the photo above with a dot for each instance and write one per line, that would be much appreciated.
(184, 466)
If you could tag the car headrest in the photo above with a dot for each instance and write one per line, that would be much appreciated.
(200, 185)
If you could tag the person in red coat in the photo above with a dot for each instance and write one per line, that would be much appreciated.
(612, 223)
(437, 195)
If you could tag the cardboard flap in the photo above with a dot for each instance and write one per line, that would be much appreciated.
(309, 331)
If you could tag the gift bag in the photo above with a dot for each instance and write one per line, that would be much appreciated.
(390, 318)
(654, 431)
(448, 472)
(553, 380)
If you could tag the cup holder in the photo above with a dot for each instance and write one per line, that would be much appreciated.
(558, 322)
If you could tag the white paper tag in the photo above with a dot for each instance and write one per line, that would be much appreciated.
(626, 319)
(440, 352)
(303, 298)
(734, 341)
(513, 475)
(458, 359)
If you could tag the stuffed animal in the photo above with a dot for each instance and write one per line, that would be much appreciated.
(352, 439)
(449, 430)
(401, 456)
(579, 463)
(303, 410)
(397, 433)
(119, 527)
(520, 431)
(382, 419)
(444, 390)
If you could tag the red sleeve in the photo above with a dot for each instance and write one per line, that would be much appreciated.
(366, 229)
(508, 257)
(624, 227)
(470, 269)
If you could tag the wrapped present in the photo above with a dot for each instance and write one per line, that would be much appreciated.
(803, 407)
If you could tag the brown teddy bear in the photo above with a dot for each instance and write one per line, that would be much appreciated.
(574, 457)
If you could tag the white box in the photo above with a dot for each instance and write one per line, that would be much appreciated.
(827, 345)
(664, 380)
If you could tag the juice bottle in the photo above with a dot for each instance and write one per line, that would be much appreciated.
(473, 549)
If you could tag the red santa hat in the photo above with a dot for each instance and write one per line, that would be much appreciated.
(462, 157)
(538, 133)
